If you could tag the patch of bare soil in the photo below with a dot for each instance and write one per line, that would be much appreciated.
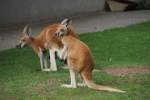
(41, 88)
(54, 82)
(126, 71)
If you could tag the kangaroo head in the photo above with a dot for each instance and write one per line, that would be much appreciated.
(62, 29)
(24, 38)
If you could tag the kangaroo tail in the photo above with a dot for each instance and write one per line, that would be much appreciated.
(87, 77)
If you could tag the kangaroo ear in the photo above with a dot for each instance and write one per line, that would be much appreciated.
(27, 30)
(66, 22)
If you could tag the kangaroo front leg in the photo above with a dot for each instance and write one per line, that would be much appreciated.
(41, 60)
(64, 52)
(46, 64)
(52, 60)
(73, 80)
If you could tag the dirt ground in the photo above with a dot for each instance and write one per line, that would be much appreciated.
(126, 71)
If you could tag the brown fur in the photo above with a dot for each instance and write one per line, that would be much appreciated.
(81, 61)
(52, 40)
(45, 40)
(47, 34)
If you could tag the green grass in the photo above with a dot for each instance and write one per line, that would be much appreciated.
(21, 78)
(121, 46)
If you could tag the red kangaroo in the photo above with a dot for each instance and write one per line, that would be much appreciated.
(39, 43)
(79, 59)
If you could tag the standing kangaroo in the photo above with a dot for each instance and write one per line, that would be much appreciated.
(79, 60)
(39, 43)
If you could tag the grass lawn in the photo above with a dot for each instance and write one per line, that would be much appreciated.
(21, 78)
